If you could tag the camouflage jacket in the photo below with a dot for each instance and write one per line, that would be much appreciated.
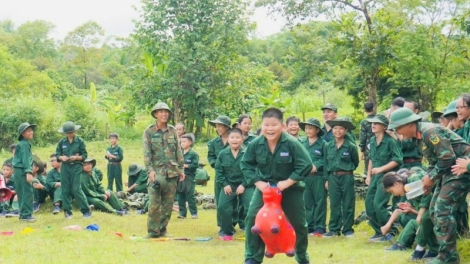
(365, 134)
(441, 147)
(162, 152)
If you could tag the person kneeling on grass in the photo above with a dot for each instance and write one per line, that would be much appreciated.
(422, 226)
(95, 193)
(39, 182)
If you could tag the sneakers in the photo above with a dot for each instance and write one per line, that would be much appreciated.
(226, 238)
(14, 213)
(28, 218)
(86, 215)
(3, 213)
(36, 207)
(56, 209)
(251, 261)
(181, 217)
(329, 235)
(429, 255)
(383, 239)
(349, 234)
(120, 212)
(375, 237)
(396, 247)
(67, 215)
(140, 212)
(418, 255)
(195, 217)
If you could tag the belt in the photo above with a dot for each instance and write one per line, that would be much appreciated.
(337, 173)
(114, 163)
(412, 160)
(72, 163)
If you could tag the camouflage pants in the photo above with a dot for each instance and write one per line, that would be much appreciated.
(446, 199)
(160, 208)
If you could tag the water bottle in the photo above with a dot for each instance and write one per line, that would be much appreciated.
(414, 189)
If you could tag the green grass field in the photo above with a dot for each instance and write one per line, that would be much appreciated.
(49, 243)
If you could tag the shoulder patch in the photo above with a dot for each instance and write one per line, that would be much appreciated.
(435, 139)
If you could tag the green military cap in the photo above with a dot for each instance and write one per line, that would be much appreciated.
(134, 169)
(330, 106)
(115, 135)
(342, 121)
(401, 117)
(221, 119)
(425, 116)
(68, 127)
(312, 122)
(39, 164)
(160, 106)
(90, 160)
(437, 114)
(22, 128)
(451, 108)
(379, 118)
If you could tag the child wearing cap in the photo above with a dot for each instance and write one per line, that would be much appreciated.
(95, 193)
(330, 112)
(138, 178)
(385, 156)
(186, 194)
(71, 152)
(315, 192)
(114, 155)
(23, 168)
(341, 158)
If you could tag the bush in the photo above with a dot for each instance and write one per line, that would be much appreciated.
(41, 111)
(79, 110)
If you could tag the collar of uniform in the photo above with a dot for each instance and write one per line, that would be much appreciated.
(163, 130)
(75, 139)
(284, 137)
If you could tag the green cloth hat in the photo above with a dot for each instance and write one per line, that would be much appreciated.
(68, 127)
(401, 117)
(22, 128)
(134, 169)
(341, 121)
(437, 114)
(39, 163)
(312, 122)
(451, 108)
(160, 106)
(90, 160)
(330, 106)
(379, 118)
(221, 119)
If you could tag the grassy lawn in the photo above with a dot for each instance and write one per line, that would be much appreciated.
(49, 243)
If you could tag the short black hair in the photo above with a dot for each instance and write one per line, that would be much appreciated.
(292, 118)
(369, 106)
(235, 130)
(258, 131)
(399, 101)
(188, 137)
(12, 147)
(241, 117)
(53, 155)
(8, 164)
(273, 112)
(114, 135)
(415, 104)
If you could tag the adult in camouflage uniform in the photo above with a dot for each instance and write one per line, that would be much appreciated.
(366, 133)
(164, 161)
(441, 147)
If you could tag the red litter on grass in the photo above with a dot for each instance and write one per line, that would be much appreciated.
(7, 233)
(118, 234)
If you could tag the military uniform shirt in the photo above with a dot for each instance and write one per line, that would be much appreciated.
(289, 160)
(227, 168)
(116, 151)
(316, 154)
(192, 159)
(410, 149)
(23, 157)
(53, 177)
(328, 135)
(248, 138)
(215, 146)
(65, 148)
(91, 186)
(344, 158)
(388, 150)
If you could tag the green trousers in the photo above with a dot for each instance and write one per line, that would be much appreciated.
(226, 208)
(190, 198)
(25, 192)
(235, 217)
(160, 207)
(426, 235)
(115, 174)
(315, 203)
(141, 188)
(40, 195)
(56, 194)
(447, 198)
(110, 206)
(408, 234)
(294, 208)
(376, 205)
(342, 203)
(71, 187)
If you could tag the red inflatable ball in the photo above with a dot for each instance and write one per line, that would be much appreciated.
(272, 226)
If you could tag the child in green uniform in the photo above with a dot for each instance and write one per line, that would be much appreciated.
(394, 183)
(191, 163)
(275, 158)
(95, 193)
(23, 167)
(292, 127)
(222, 125)
(315, 192)
(341, 158)
(12, 150)
(385, 156)
(138, 178)
(114, 155)
(244, 124)
(7, 172)
(235, 187)
(39, 182)
(71, 152)
(53, 184)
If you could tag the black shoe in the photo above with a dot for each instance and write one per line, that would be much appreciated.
(36, 207)
(251, 261)
(87, 215)
(429, 255)
(120, 212)
(14, 213)
(418, 255)
(28, 218)
(396, 247)
(329, 235)
(67, 215)
(56, 209)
